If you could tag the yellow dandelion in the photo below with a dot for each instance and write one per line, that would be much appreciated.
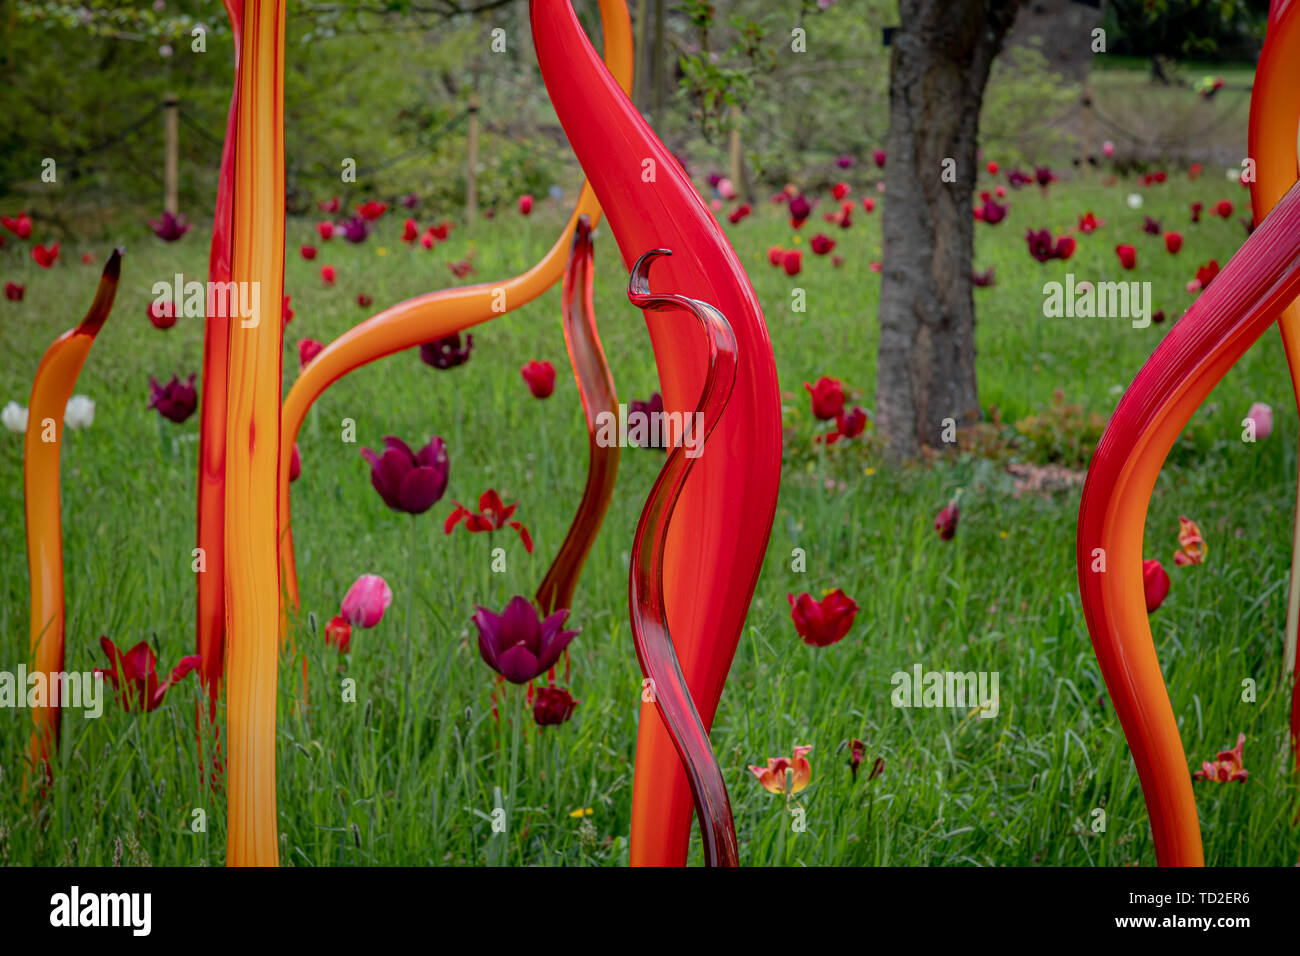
(869, 472)
(582, 812)
(381, 251)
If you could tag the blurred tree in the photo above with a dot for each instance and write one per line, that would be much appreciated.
(925, 371)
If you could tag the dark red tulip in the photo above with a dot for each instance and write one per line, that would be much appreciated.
(286, 310)
(1065, 247)
(20, 225)
(945, 522)
(1044, 176)
(176, 400)
(1150, 226)
(652, 408)
(852, 424)
(492, 515)
(1158, 316)
(827, 398)
(821, 244)
(989, 211)
(984, 279)
(134, 675)
(1223, 209)
(307, 252)
(800, 209)
(552, 706)
(1196, 211)
(14, 292)
(372, 210)
(308, 349)
(45, 256)
(1127, 256)
(410, 200)
(408, 481)
(1040, 244)
(792, 262)
(857, 749)
(168, 227)
(295, 464)
(1206, 273)
(1173, 241)
(540, 377)
(825, 622)
(517, 643)
(739, 213)
(355, 229)
(163, 315)
(410, 231)
(364, 300)
(1155, 584)
(1018, 177)
(461, 268)
(446, 352)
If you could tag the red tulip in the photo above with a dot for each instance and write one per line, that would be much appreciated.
(840, 190)
(87, 258)
(1065, 247)
(1196, 211)
(14, 292)
(286, 311)
(525, 204)
(308, 349)
(308, 252)
(825, 622)
(295, 464)
(869, 204)
(792, 262)
(134, 675)
(1088, 223)
(20, 225)
(338, 633)
(945, 522)
(851, 424)
(45, 256)
(461, 268)
(426, 240)
(821, 244)
(325, 230)
(1155, 584)
(327, 274)
(372, 210)
(800, 209)
(879, 156)
(775, 255)
(552, 706)
(1173, 241)
(540, 377)
(328, 205)
(364, 300)
(410, 231)
(1127, 256)
(440, 231)
(739, 213)
(492, 515)
(1040, 244)
(163, 315)
(1223, 209)
(827, 398)
(1206, 273)
(992, 167)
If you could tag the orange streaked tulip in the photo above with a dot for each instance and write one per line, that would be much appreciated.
(773, 777)
(1191, 546)
(1227, 766)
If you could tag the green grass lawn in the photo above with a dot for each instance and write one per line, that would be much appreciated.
(356, 787)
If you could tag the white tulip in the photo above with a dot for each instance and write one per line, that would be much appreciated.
(80, 412)
(14, 417)
(1134, 200)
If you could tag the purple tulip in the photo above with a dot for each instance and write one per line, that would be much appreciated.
(355, 229)
(446, 352)
(410, 200)
(517, 644)
(176, 400)
(168, 227)
(653, 410)
(844, 162)
(1150, 226)
(409, 482)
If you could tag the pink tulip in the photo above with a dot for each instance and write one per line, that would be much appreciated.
(366, 601)
(1262, 415)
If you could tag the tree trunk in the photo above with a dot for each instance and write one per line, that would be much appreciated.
(925, 369)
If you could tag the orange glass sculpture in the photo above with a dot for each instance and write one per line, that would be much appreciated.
(56, 376)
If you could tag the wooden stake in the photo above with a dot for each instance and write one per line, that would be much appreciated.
(171, 120)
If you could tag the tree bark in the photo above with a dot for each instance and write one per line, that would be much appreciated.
(925, 368)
